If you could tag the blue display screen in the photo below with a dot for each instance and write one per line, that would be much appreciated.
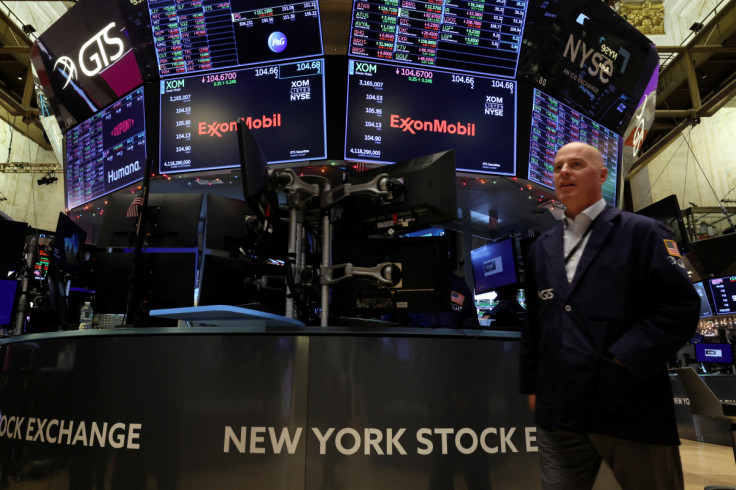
(7, 299)
(721, 353)
(494, 265)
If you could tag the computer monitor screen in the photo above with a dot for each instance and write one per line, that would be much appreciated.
(106, 152)
(8, 288)
(424, 278)
(194, 37)
(12, 243)
(98, 51)
(475, 37)
(282, 104)
(723, 290)
(667, 211)
(426, 195)
(225, 225)
(720, 353)
(69, 239)
(396, 113)
(553, 125)
(113, 272)
(585, 54)
(494, 265)
(705, 309)
(173, 221)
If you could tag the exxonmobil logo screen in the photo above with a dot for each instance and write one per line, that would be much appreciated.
(396, 113)
(282, 104)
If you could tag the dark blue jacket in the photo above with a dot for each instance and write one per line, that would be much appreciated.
(630, 298)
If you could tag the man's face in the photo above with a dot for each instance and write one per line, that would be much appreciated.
(579, 173)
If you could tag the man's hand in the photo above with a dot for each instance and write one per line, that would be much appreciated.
(532, 401)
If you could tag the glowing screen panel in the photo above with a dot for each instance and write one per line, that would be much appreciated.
(475, 36)
(396, 113)
(283, 104)
(555, 124)
(107, 151)
(203, 35)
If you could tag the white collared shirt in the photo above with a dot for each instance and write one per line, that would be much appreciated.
(574, 231)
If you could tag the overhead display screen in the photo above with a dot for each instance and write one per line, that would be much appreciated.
(585, 54)
(95, 53)
(202, 35)
(106, 152)
(724, 294)
(555, 124)
(283, 105)
(477, 36)
(396, 113)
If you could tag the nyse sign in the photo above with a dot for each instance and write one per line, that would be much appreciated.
(99, 52)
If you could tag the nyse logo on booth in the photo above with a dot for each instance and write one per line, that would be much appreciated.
(277, 42)
(99, 52)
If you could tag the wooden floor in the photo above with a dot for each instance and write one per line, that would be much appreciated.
(707, 464)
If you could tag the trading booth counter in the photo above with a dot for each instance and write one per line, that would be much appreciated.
(273, 407)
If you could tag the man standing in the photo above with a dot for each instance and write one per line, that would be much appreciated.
(608, 304)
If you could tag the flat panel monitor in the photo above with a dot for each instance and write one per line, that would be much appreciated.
(69, 240)
(424, 278)
(585, 54)
(424, 195)
(94, 54)
(198, 36)
(723, 290)
(705, 308)
(718, 353)
(553, 125)
(283, 105)
(8, 289)
(494, 265)
(113, 272)
(12, 243)
(173, 221)
(469, 36)
(667, 211)
(107, 151)
(396, 113)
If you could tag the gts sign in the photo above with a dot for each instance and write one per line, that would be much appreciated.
(600, 65)
(99, 52)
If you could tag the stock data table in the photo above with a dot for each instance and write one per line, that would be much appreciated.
(480, 36)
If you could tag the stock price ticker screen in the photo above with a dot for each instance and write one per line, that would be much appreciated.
(399, 112)
(202, 35)
(555, 124)
(107, 151)
(724, 294)
(475, 36)
(282, 104)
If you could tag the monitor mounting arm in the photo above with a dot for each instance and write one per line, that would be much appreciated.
(382, 186)
(386, 273)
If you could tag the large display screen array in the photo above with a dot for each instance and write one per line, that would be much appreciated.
(555, 124)
(202, 35)
(395, 113)
(282, 104)
(106, 152)
(476, 36)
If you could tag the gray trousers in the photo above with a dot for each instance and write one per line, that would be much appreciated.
(570, 461)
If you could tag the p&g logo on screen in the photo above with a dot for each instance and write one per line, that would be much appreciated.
(277, 42)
